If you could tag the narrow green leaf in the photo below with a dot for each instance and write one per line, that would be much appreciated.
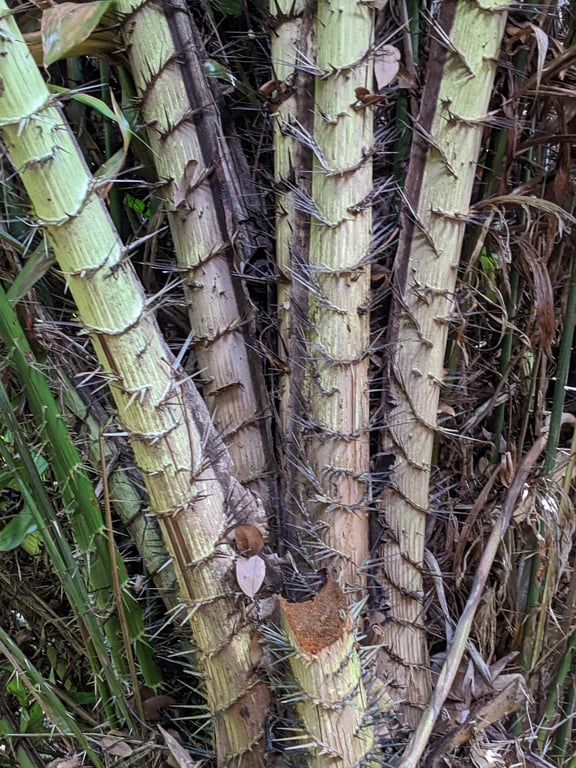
(14, 533)
(35, 267)
(96, 104)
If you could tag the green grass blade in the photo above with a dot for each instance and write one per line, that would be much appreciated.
(76, 488)
(42, 692)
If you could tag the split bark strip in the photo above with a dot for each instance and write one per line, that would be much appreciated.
(183, 461)
(445, 150)
(323, 257)
(203, 198)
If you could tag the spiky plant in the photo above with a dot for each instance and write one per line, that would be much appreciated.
(203, 196)
(325, 269)
(183, 461)
(444, 157)
(489, 595)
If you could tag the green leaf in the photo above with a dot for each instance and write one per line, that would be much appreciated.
(16, 687)
(96, 104)
(32, 543)
(14, 533)
(112, 167)
(66, 25)
(34, 268)
(32, 719)
(139, 206)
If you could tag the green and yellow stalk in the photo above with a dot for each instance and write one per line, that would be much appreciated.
(323, 176)
(185, 465)
(321, 246)
(330, 698)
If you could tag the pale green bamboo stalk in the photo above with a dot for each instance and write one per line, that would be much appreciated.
(184, 464)
(337, 441)
(331, 700)
(437, 196)
(324, 235)
(201, 195)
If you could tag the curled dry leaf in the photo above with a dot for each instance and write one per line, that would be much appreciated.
(249, 540)
(386, 66)
(75, 761)
(65, 25)
(446, 409)
(364, 98)
(116, 747)
(250, 573)
(406, 79)
(153, 707)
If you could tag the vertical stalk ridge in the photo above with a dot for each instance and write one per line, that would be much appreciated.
(292, 38)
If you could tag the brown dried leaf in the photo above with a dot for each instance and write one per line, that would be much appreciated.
(269, 87)
(446, 409)
(115, 747)
(250, 573)
(66, 762)
(153, 706)
(364, 98)
(386, 66)
(249, 540)
(406, 79)
(65, 25)
(544, 304)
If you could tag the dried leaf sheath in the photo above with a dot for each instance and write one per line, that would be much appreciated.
(202, 196)
(438, 188)
(184, 463)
